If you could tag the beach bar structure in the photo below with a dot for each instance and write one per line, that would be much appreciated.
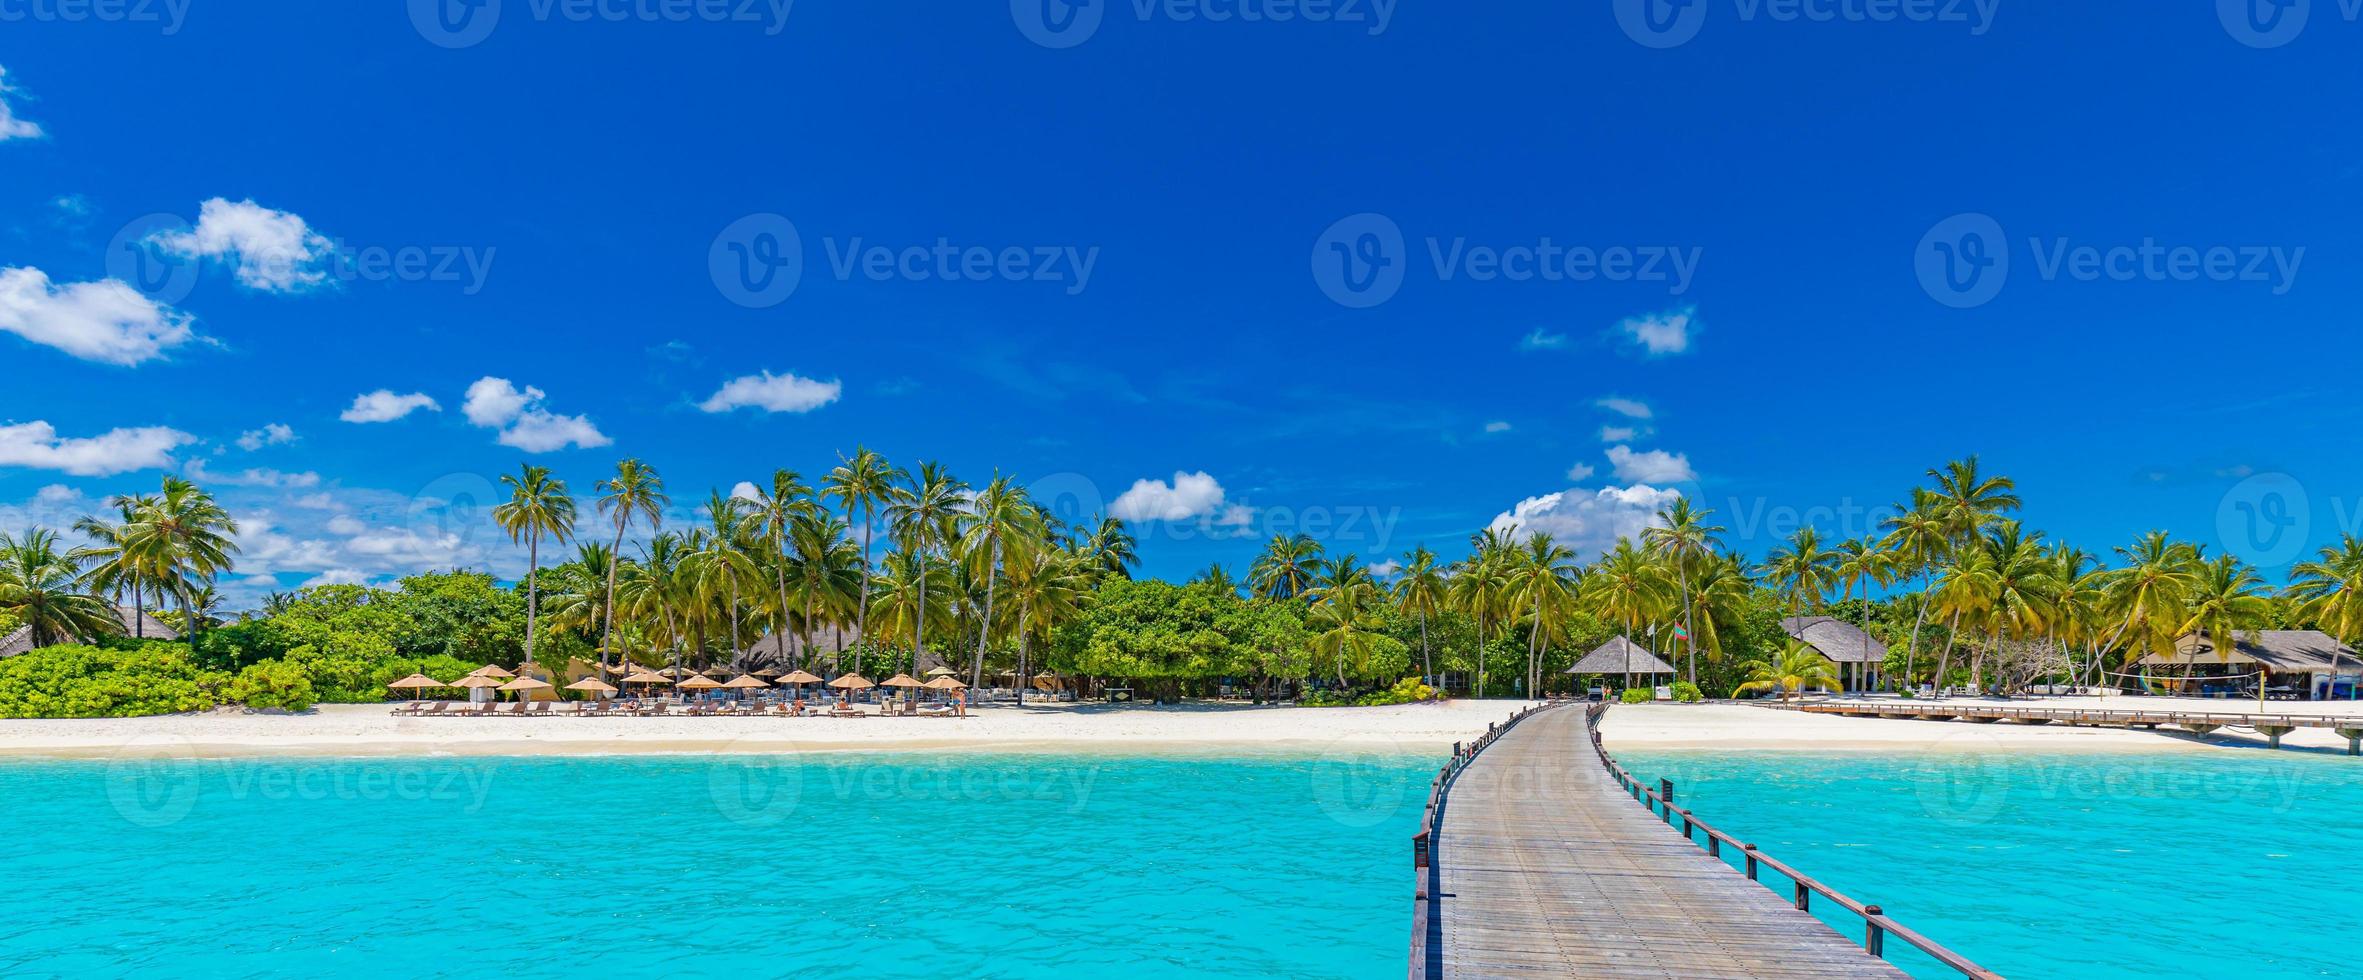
(1620, 655)
(2304, 663)
(1859, 656)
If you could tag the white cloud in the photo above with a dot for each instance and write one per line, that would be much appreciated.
(383, 405)
(12, 128)
(336, 576)
(275, 251)
(743, 490)
(494, 402)
(1619, 433)
(1580, 472)
(253, 478)
(317, 501)
(524, 423)
(1626, 407)
(1236, 515)
(271, 434)
(106, 321)
(1189, 495)
(56, 493)
(1383, 569)
(1588, 521)
(773, 393)
(36, 445)
(346, 524)
(1652, 466)
(1538, 340)
(1660, 334)
(1497, 426)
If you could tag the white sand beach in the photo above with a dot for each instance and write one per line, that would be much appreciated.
(1753, 727)
(372, 730)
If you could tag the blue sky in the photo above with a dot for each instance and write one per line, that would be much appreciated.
(1145, 227)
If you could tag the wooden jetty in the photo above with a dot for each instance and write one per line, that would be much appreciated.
(1539, 856)
(2271, 726)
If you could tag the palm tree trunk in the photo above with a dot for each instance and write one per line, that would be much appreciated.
(976, 672)
(1024, 622)
(861, 614)
(606, 631)
(1952, 631)
(1689, 630)
(533, 567)
(1427, 664)
(1912, 647)
(919, 623)
(779, 548)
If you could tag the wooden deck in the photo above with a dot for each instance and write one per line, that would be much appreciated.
(2272, 725)
(1545, 867)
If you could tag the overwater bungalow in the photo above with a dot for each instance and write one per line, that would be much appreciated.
(2307, 664)
(1859, 656)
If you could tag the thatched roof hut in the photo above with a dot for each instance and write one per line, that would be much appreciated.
(2280, 651)
(1621, 656)
(1837, 640)
(136, 623)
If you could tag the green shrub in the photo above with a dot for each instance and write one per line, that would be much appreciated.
(1637, 695)
(87, 682)
(273, 684)
(1687, 693)
(1406, 691)
(1322, 699)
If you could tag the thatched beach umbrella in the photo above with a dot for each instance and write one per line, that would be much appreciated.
(744, 682)
(491, 670)
(900, 680)
(716, 673)
(699, 682)
(943, 672)
(767, 674)
(593, 686)
(945, 684)
(852, 682)
(525, 685)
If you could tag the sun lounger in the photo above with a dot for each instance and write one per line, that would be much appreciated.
(432, 708)
(936, 711)
(844, 710)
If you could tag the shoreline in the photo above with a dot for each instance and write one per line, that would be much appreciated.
(1194, 730)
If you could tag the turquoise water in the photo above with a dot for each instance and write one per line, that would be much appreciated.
(2235, 864)
(905, 865)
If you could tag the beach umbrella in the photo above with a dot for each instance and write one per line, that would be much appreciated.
(943, 672)
(744, 682)
(593, 686)
(491, 670)
(767, 674)
(798, 677)
(716, 673)
(697, 682)
(416, 682)
(524, 684)
(648, 677)
(476, 680)
(945, 684)
(852, 682)
(900, 680)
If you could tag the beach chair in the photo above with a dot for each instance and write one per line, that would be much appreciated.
(844, 709)
(433, 708)
(541, 708)
(936, 711)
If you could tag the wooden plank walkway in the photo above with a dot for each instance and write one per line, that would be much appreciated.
(1547, 868)
(2272, 725)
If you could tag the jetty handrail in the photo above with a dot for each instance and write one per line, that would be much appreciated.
(1423, 841)
(1877, 926)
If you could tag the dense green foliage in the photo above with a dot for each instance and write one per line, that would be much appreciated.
(89, 682)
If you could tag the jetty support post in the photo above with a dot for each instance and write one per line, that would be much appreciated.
(2274, 732)
(2354, 737)
(1874, 937)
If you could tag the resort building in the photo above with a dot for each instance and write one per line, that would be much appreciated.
(2296, 663)
(135, 623)
(1859, 656)
(1620, 655)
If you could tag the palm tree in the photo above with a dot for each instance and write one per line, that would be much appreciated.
(1480, 585)
(2150, 592)
(1798, 668)
(1001, 516)
(2329, 592)
(2023, 594)
(864, 482)
(1682, 536)
(1544, 580)
(112, 567)
(2227, 602)
(1862, 564)
(1721, 589)
(1219, 577)
(1286, 568)
(634, 489)
(43, 589)
(720, 566)
(825, 568)
(2076, 600)
(1916, 537)
(186, 539)
(778, 508)
(1627, 588)
(1967, 500)
(1113, 549)
(538, 507)
(1420, 591)
(922, 515)
(1808, 569)
(1346, 634)
(1046, 589)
